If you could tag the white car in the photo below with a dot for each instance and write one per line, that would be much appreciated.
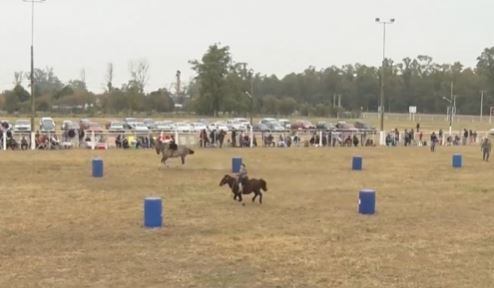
(22, 125)
(239, 124)
(491, 132)
(199, 126)
(46, 124)
(218, 126)
(183, 127)
(140, 127)
(266, 121)
(165, 125)
(285, 123)
(116, 127)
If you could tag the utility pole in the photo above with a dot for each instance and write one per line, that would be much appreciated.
(33, 107)
(384, 23)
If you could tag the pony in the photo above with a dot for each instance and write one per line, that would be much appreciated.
(249, 186)
(180, 151)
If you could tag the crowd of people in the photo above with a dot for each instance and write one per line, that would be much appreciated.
(240, 139)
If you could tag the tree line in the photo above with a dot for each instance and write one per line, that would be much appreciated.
(224, 86)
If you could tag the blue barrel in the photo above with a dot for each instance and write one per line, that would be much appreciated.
(357, 163)
(97, 167)
(236, 163)
(367, 201)
(153, 216)
(457, 161)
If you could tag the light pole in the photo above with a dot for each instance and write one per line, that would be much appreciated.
(251, 123)
(452, 109)
(33, 107)
(384, 23)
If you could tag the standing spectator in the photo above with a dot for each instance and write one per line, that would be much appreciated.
(441, 137)
(418, 127)
(118, 141)
(24, 145)
(355, 140)
(433, 141)
(465, 136)
(234, 138)
(221, 137)
(203, 138)
(486, 149)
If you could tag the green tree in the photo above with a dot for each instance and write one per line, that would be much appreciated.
(212, 71)
(159, 101)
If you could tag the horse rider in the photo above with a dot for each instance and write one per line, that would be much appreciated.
(486, 148)
(241, 176)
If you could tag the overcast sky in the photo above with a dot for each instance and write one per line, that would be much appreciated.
(273, 36)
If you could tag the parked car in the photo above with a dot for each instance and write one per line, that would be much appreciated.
(165, 125)
(183, 127)
(325, 126)
(116, 127)
(218, 126)
(266, 121)
(94, 126)
(84, 123)
(22, 125)
(303, 125)
(139, 127)
(259, 127)
(68, 125)
(150, 123)
(275, 127)
(285, 123)
(46, 124)
(129, 122)
(238, 124)
(199, 126)
(342, 126)
(364, 127)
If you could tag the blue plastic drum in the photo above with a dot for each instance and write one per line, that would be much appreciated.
(457, 161)
(236, 163)
(97, 164)
(367, 202)
(357, 163)
(153, 212)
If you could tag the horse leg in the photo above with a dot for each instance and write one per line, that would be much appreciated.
(254, 198)
(163, 160)
(260, 197)
(183, 159)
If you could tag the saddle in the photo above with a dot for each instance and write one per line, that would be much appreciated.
(173, 146)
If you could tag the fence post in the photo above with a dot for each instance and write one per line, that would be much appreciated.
(176, 137)
(33, 141)
(93, 140)
(251, 137)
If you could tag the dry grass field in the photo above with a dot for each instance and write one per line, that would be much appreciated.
(433, 228)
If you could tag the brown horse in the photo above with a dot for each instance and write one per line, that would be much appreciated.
(178, 151)
(249, 186)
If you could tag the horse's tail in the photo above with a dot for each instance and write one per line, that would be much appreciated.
(190, 151)
(263, 185)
